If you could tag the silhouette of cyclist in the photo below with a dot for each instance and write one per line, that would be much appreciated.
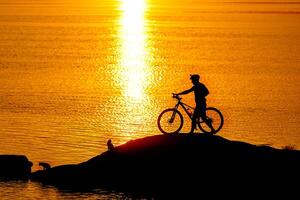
(200, 92)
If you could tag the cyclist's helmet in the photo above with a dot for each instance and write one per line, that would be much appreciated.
(195, 77)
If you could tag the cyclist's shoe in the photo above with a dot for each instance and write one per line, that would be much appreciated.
(213, 132)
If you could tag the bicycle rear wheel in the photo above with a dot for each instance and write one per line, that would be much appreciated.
(213, 116)
(170, 121)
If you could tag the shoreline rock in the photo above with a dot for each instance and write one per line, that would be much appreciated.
(172, 163)
(15, 167)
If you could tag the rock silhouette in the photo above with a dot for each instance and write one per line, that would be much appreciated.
(14, 167)
(166, 164)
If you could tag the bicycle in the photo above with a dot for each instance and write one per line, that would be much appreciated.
(170, 121)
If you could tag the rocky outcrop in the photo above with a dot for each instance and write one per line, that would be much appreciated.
(181, 162)
(14, 167)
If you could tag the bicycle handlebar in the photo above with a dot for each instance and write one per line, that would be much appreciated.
(176, 96)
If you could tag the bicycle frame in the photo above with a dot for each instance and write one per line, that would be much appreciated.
(184, 106)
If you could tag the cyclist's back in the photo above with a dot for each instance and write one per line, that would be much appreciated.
(200, 91)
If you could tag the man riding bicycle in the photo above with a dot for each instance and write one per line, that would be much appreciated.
(200, 92)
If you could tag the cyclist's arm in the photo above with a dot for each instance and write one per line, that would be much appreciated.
(186, 91)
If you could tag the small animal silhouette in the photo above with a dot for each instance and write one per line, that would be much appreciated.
(44, 165)
(110, 145)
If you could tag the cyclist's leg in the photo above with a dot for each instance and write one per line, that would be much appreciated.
(204, 117)
(195, 116)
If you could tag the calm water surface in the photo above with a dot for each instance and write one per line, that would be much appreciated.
(76, 73)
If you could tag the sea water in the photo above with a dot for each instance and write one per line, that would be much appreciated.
(74, 74)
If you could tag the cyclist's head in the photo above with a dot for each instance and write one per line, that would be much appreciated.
(195, 77)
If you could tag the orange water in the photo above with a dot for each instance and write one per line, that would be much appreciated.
(75, 73)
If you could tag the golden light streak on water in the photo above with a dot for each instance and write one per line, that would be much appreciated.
(132, 70)
(133, 50)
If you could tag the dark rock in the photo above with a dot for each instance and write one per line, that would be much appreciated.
(183, 163)
(14, 167)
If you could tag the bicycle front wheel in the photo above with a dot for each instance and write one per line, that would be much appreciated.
(170, 121)
(215, 118)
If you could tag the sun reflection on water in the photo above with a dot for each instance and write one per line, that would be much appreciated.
(133, 48)
(133, 69)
